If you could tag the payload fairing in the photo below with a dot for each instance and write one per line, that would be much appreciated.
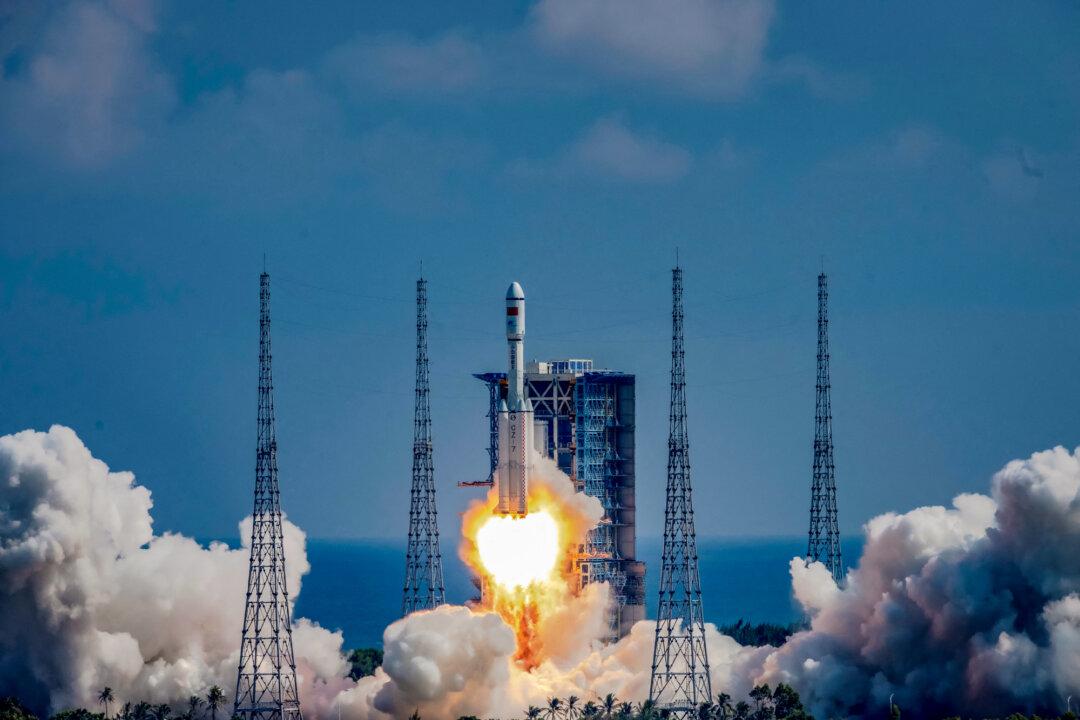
(515, 415)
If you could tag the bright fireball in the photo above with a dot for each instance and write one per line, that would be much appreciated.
(519, 551)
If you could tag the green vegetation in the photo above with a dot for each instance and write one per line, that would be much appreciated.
(767, 704)
(745, 633)
(783, 703)
(105, 697)
(77, 714)
(364, 661)
(214, 699)
(12, 709)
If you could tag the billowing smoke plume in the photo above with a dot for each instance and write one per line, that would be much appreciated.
(970, 610)
(973, 610)
(91, 597)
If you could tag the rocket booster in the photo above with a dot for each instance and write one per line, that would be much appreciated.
(515, 415)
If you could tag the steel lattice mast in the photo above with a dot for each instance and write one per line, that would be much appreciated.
(680, 666)
(423, 560)
(824, 542)
(266, 676)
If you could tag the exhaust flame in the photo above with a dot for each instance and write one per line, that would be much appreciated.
(519, 551)
(525, 564)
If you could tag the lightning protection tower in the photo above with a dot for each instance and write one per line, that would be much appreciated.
(680, 665)
(266, 677)
(423, 560)
(824, 541)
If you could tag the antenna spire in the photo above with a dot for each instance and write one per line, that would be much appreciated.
(824, 537)
(423, 559)
(266, 677)
(680, 666)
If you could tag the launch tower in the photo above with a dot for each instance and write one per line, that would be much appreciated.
(824, 540)
(680, 665)
(423, 559)
(266, 676)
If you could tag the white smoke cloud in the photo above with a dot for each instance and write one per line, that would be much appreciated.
(968, 610)
(972, 609)
(92, 597)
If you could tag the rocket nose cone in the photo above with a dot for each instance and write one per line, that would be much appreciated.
(514, 292)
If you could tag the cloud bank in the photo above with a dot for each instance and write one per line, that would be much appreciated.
(609, 151)
(89, 87)
(713, 48)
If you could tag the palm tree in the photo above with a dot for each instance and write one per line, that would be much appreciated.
(161, 712)
(193, 704)
(572, 708)
(105, 697)
(647, 710)
(722, 708)
(554, 708)
(125, 712)
(761, 695)
(626, 710)
(591, 710)
(141, 711)
(214, 699)
(608, 704)
(533, 713)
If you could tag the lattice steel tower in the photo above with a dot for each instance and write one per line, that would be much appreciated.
(680, 666)
(824, 542)
(266, 677)
(423, 560)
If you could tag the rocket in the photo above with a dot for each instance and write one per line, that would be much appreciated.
(515, 415)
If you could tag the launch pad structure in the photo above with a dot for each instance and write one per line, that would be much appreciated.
(583, 419)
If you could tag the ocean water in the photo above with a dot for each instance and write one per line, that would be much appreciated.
(355, 585)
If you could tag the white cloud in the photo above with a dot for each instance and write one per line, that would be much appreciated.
(608, 150)
(88, 89)
(448, 64)
(712, 48)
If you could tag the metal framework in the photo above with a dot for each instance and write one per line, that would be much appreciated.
(680, 667)
(824, 540)
(597, 473)
(266, 676)
(423, 560)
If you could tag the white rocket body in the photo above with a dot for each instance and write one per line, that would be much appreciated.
(515, 415)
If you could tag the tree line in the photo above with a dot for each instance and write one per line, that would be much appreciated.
(764, 703)
(197, 707)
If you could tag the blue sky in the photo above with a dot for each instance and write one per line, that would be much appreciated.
(151, 153)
